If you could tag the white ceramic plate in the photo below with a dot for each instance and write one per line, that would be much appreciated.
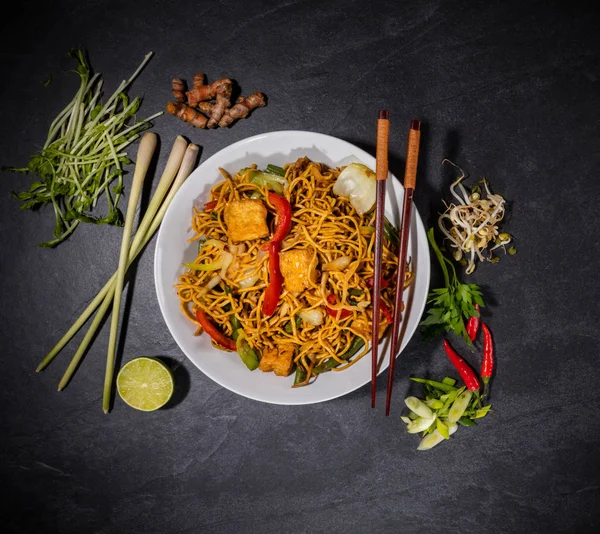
(172, 249)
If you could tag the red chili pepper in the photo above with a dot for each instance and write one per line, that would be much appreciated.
(210, 205)
(386, 311)
(214, 332)
(466, 373)
(284, 218)
(487, 367)
(332, 299)
(371, 282)
(273, 290)
(473, 324)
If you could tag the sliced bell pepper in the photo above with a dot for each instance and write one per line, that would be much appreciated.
(371, 282)
(247, 354)
(386, 311)
(332, 299)
(210, 205)
(214, 332)
(284, 218)
(273, 291)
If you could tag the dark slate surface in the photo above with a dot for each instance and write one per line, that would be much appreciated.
(509, 90)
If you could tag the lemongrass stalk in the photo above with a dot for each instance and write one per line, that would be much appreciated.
(107, 293)
(173, 164)
(143, 160)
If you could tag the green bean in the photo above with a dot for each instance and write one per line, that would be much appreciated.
(300, 375)
(357, 344)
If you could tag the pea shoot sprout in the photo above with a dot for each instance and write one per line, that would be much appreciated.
(471, 223)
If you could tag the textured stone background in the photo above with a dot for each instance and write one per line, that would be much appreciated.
(509, 90)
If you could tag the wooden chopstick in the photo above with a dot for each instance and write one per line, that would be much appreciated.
(410, 179)
(381, 171)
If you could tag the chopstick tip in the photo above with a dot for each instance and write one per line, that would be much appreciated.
(384, 114)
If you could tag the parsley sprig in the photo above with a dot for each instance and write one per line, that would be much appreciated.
(451, 305)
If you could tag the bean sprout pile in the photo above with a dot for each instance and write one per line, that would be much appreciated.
(471, 224)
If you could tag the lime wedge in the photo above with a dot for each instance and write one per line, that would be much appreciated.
(145, 383)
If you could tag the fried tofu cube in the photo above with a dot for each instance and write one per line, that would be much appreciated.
(280, 360)
(246, 219)
(297, 269)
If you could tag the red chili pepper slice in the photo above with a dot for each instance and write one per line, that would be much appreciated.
(386, 311)
(473, 324)
(332, 299)
(214, 332)
(487, 367)
(371, 282)
(273, 291)
(466, 373)
(284, 218)
(210, 205)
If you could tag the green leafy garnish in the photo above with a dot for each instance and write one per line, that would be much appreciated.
(450, 306)
(84, 154)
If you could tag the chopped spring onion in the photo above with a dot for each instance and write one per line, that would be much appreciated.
(435, 438)
(420, 424)
(459, 406)
(419, 407)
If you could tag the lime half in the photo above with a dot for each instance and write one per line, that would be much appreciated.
(145, 383)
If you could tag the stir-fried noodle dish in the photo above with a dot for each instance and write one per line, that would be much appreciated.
(284, 271)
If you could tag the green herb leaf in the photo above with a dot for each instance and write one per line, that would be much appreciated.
(452, 305)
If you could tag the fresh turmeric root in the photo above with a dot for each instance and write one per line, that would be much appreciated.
(178, 89)
(213, 114)
(223, 101)
(242, 108)
(207, 92)
(187, 114)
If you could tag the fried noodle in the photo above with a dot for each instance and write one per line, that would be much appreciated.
(323, 223)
